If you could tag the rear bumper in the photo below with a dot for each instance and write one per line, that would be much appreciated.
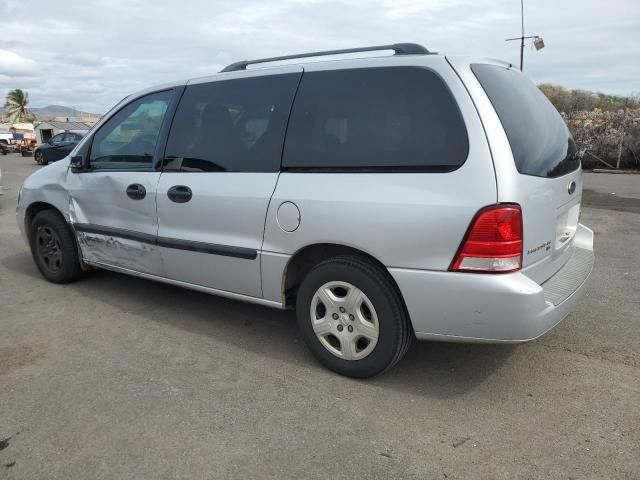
(510, 308)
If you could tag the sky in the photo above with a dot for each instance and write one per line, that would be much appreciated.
(89, 54)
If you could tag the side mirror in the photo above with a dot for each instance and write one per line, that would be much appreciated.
(77, 165)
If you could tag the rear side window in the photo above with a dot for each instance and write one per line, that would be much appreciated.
(231, 125)
(540, 140)
(391, 118)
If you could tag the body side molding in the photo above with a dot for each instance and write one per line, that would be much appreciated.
(225, 250)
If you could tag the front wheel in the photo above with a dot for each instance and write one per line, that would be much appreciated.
(352, 318)
(53, 248)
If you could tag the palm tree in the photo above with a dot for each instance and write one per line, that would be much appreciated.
(16, 107)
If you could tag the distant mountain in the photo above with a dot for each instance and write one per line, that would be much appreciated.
(52, 111)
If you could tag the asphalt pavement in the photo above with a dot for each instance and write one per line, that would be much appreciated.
(123, 378)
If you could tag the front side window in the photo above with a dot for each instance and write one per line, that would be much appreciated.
(231, 125)
(58, 138)
(388, 118)
(128, 139)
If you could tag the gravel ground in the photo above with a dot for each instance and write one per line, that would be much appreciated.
(117, 377)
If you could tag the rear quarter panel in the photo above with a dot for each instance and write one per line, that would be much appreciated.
(542, 199)
(406, 220)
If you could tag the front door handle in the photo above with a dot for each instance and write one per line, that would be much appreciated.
(136, 191)
(179, 194)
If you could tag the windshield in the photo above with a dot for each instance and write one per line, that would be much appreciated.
(540, 140)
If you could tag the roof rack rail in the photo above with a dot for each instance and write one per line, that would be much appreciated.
(398, 48)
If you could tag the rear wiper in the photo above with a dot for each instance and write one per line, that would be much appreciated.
(578, 154)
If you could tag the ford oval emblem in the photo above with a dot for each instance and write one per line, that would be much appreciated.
(571, 188)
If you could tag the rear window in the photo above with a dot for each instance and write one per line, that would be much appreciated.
(540, 140)
(399, 118)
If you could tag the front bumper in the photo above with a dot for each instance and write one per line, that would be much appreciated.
(510, 308)
(20, 214)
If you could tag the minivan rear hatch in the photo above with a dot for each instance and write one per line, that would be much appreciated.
(547, 180)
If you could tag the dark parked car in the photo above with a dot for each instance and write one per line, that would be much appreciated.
(58, 147)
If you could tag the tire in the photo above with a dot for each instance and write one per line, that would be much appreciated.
(40, 160)
(53, 248)
(339, 338)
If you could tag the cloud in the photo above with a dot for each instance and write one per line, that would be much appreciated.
(12, 64)
(91, 53)
(84, 60)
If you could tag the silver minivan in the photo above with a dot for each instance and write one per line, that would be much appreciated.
(386, 198)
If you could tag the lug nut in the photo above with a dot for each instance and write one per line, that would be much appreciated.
(342, 309)
(351, 317)
(335, 316)
(340, 327)
(350, 328)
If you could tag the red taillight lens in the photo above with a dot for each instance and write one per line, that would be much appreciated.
(493, 243)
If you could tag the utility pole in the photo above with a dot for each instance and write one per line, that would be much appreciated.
(521, 34)
(538, 42)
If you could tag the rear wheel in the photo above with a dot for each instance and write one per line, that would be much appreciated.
(352, 317)
(53, 248)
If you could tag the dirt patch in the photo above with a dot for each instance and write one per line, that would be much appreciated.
(14, 357)
(609, 201)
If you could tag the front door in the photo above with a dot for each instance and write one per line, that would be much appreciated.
(113, 204)
(220, 169)
(57, 149)
(67, 144)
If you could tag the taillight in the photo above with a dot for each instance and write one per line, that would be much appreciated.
(493, 243)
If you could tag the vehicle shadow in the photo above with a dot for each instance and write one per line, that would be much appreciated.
(435, 369)
(445, 370)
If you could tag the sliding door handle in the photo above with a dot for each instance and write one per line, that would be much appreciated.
(179, 194)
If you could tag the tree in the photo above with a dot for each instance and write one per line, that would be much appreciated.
(608, 126)
(16, 107)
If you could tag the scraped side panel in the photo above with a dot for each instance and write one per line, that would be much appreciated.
(111, 227)
(111, 250)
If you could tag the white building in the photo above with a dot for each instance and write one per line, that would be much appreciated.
(16, 131)
(45, 130)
